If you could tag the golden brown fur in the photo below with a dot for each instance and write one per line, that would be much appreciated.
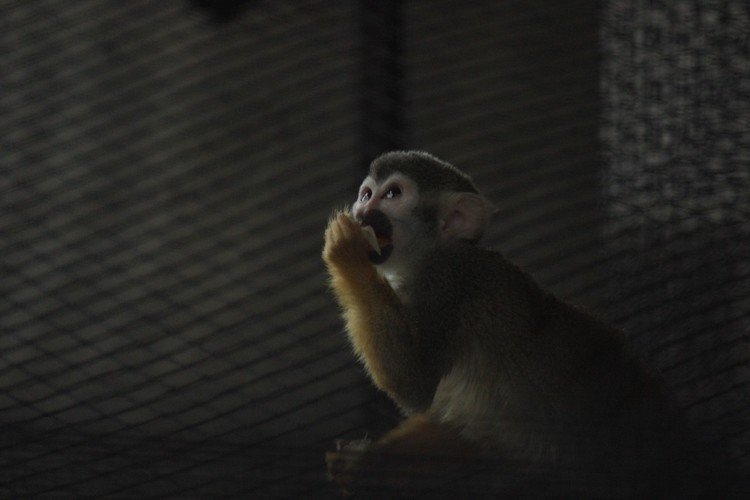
(492, 370)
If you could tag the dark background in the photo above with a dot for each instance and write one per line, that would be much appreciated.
(167, 169)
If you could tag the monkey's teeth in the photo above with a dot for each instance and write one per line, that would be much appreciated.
(369, 234)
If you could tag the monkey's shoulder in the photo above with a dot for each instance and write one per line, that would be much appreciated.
(471, 270)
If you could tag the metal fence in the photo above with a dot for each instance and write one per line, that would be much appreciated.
(166, 174)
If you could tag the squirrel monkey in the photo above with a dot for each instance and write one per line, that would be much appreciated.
(484, 363)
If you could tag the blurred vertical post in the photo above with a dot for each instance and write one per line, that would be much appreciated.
(382, 78)
(382, 127)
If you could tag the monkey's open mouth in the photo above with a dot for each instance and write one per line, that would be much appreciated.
(385, 253)
(381, 245)
(383, 230)
(377, 242)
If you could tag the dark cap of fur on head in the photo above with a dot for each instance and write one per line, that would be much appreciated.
(430, 173)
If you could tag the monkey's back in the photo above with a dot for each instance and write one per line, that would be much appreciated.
(539, 381)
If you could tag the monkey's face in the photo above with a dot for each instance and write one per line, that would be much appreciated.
(391, 208)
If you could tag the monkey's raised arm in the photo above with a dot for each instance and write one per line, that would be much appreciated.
(381, 328)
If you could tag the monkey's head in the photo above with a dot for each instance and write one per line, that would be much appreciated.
(415, 202)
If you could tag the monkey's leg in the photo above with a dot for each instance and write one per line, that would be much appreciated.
(421, 456)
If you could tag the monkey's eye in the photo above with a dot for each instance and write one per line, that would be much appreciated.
(366, 194)
(392, 192)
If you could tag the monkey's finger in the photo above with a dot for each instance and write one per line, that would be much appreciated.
(340, 226)
(344, 219)
(343, 226)
(349, 225)
(333, 220)
(330, 229)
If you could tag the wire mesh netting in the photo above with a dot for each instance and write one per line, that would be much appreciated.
(676, 186)
(165, 179)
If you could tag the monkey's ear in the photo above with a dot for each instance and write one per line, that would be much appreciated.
(464, 216)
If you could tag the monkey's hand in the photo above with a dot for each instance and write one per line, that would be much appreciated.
(346, 249)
